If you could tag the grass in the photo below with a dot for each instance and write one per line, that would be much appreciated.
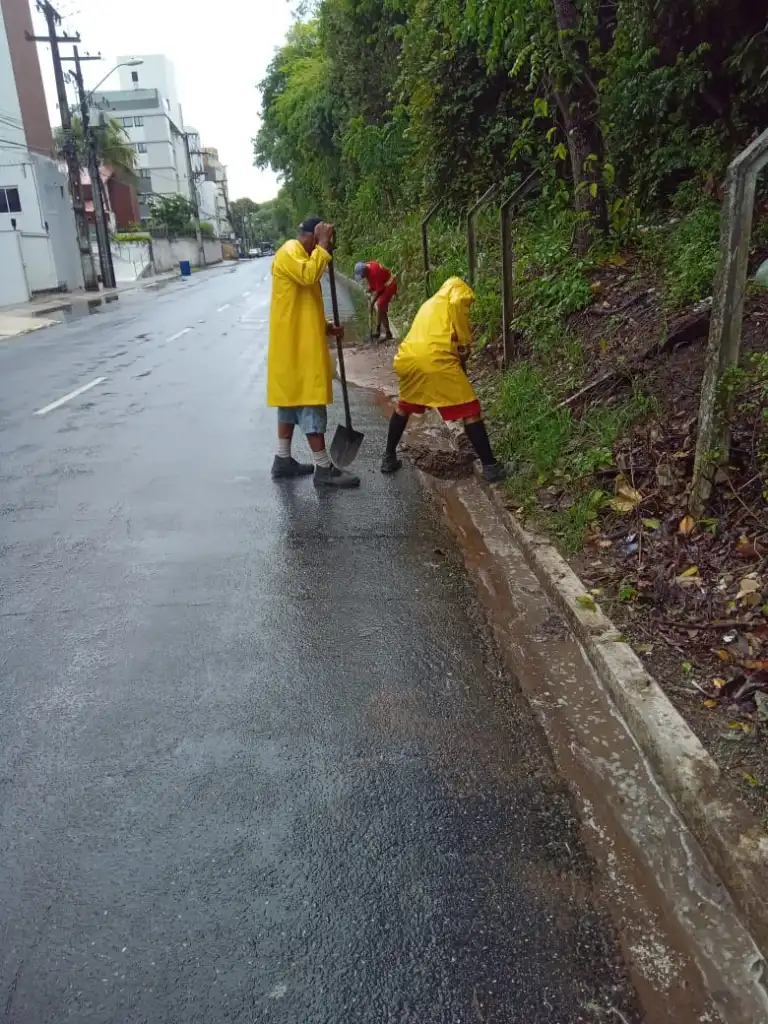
(684, 252)
(553, 448)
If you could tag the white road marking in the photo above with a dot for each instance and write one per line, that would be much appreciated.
(70, 396)
(179, 334)
(222, 308)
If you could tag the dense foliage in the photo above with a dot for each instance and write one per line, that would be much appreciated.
(373, 109)
(113, 146)
(260, 223)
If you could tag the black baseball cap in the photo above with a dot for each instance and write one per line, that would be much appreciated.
(308, 225)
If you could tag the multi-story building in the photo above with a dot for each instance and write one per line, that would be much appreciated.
(38, 242)
(215, 200)
(147, 105)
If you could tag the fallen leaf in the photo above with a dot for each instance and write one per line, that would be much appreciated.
(652, 524)
(752, 780)
(761, 700)
(689, 578)
(687, 525)
(752, 600)
(723, 655)
(627, 498)
(643, 648)
(744, 726)
(718, 683)
(709, 703)
(585, 601)
(746, 549)
(747, 586)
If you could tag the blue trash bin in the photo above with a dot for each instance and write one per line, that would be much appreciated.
(185, 267)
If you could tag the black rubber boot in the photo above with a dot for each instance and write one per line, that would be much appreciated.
(390, 463)
(495, 472)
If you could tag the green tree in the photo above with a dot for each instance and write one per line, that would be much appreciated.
(242, 208)
(112, 146)
(172, 213)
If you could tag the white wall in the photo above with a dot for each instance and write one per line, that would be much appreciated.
(13, 283)
(40, 253)
(56, 210)
(168, 253)
(40, 269)
(131, 260)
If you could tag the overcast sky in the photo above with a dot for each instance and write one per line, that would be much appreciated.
(219, 50)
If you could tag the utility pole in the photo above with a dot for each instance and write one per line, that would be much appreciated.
(53, 19)
(193, 197)
(92, 162)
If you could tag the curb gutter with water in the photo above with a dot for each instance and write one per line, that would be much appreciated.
(684, 872)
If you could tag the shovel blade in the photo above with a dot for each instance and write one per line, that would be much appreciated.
(345, 446)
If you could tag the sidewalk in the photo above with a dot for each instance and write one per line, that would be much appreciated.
(40, 312)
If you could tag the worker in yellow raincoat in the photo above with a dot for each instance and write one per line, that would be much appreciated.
(430, 367)
(299, 373)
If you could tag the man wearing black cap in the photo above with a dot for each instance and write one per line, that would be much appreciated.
(299, 373)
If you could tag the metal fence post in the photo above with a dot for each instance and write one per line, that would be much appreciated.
(507, 259)
(472, 213)
(425, 242)
(724, 344)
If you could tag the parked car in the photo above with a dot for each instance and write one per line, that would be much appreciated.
(254, 254)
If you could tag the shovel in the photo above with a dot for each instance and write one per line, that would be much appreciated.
(346, 441)
(373, 330)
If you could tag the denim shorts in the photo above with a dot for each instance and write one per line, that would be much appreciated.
(310, 419)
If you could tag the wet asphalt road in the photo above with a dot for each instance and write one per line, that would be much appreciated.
(258, 759)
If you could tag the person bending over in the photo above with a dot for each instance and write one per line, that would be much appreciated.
(430, 366)
(382, 287)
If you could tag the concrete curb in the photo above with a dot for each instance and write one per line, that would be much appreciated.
(730, 835)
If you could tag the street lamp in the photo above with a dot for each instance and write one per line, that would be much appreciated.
(134, 62)
(89, 138)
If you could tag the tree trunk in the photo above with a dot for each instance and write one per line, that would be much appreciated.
(578, 101)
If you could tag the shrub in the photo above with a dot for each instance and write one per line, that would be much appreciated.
(132, 236)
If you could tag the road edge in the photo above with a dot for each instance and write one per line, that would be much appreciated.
(728, 832)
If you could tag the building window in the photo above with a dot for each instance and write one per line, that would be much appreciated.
(134, 76)
(9, 200)
(127, 122)
(139, 122)
(141, 147)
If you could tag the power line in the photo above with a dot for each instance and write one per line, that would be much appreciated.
(52, 19)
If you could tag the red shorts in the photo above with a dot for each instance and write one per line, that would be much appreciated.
(448, 412)
(386, 297)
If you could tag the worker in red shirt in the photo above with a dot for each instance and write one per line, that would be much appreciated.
(382, 286)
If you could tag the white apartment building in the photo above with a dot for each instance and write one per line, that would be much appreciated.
(214, 205)
(38, 241)
(147, 105)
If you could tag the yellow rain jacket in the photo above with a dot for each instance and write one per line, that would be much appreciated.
(299, 366)
(427, 362)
